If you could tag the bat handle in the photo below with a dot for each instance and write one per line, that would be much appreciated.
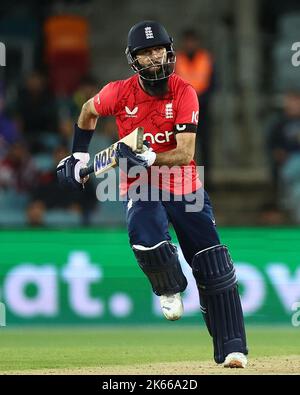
(86, 171)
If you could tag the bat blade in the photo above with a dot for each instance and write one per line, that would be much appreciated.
(106, 160)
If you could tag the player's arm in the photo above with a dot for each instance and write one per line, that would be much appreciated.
(182, 154)
(68, 168)
(88, 117)
(185, 131)
(100, 105)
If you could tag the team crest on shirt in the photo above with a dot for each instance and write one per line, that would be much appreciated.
(131, 113)
(169, 111)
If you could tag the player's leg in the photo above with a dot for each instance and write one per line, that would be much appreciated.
(191, 237)
(216, 281)
(147, 224)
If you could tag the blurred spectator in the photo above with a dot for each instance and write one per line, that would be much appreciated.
(38, 112)
(47, 195)
(87, 88)
(67, 51)
(17, 169)
(195, 65)
(69, 107)
(35, 213)
(8, 129)
(284, 134)
(271, 214)
(284, 149)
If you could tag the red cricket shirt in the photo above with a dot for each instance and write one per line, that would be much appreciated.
(161, 119)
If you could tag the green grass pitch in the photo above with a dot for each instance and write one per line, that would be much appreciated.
(137, 350)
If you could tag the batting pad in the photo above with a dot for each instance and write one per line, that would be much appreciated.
(162, 267)
(221, 306)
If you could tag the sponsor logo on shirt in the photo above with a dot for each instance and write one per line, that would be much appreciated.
(169, 111)
(195, 116)
(131, 113)
(159, 138)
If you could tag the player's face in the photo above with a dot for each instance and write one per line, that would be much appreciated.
(154, 57)
(154, 64)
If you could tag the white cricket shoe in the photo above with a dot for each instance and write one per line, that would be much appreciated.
(235, 360)
(171, 306)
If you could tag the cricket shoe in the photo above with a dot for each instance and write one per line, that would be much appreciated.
(171, 306)
(235, 360)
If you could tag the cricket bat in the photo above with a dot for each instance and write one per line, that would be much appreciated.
(105, 159)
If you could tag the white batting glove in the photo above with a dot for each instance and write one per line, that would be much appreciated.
(84, 158)
(148, 155)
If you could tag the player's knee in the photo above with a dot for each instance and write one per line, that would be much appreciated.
(147, 235)
(213, 269)
(147, 223)
(161, 265)
(145, 239)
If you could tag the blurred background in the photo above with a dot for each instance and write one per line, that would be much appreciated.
(238, 56)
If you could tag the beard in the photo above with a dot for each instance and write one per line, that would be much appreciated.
(156, 88)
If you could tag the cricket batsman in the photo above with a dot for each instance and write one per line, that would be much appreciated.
(167, 108)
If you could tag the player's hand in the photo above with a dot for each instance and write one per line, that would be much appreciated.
(145, 159)
(148, 154)
(68, 171)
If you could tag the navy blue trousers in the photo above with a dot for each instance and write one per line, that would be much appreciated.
(147, 223)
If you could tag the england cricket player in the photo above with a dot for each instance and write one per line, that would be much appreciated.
(167, 108)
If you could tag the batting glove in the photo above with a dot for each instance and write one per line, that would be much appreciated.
(68, 171)
(148, 155)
